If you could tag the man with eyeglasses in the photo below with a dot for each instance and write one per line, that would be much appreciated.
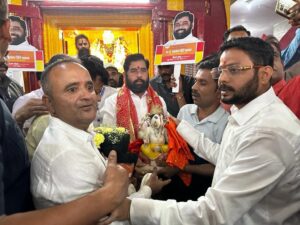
(256, 179)
(14, 173)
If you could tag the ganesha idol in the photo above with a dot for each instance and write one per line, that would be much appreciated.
(162, 145)
(154, 135)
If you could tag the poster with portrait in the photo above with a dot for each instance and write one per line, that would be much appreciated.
(183, 49)
(22, 55)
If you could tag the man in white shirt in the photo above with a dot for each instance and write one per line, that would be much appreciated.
(67, 165)
(256, 179)
(134, 100)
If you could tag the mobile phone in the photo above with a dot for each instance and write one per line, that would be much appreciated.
(282, 7)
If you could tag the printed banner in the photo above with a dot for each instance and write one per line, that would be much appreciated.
(185, 53)
(14, 2)
(26, 60)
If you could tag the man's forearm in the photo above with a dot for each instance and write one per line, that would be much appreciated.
(180, 99)
(19, 118)
(203, 169)
(84, 211)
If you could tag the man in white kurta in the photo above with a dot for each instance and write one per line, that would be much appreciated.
(137, 82)
(256, 180)
(109, 110)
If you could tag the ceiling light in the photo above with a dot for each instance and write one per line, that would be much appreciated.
(103, 1)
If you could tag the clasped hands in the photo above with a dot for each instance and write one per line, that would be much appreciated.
(122, 212)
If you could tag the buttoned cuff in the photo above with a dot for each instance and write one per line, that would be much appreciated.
(146, 211)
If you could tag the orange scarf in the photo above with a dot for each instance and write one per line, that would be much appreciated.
(126, 111)
(179, 153)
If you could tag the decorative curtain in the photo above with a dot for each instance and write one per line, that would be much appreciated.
(52, 44)
(146, 45)
(139, 22)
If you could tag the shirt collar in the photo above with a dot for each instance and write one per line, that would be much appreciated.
(241, 116)
(213, 118)
(133, 94)
(80, 134)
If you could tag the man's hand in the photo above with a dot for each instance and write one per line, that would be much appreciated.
(155, 183)
(34, 107)
(121, 213)
(173, 83)
(295, 14)
(116, 177)
(168, 171)
(177, 121)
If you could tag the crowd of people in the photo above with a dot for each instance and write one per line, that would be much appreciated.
(238, 114)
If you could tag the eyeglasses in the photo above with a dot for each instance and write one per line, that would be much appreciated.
(231, 70)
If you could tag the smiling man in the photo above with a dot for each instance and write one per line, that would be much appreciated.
(18, 32)
(182, 28)
(67, 165)
(67, 145)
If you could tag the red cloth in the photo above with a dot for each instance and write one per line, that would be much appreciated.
(135, 146)
(126, 111)
(179, 153)
(278, 86)
(289, 93)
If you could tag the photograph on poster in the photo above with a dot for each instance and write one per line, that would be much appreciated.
(19, 33)
(22, 55)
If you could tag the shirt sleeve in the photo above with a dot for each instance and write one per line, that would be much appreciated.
(180, 113)
(253, 173)
(108, 111)
(20, 102)
(144, 192)
(166, 113)
(198, 142)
